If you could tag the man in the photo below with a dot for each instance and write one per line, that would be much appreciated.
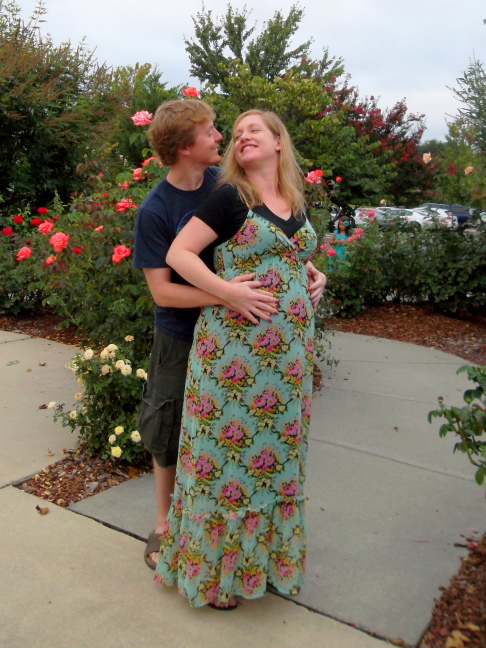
(183, 135)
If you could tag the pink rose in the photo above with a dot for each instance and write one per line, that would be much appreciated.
(99, 228)
(124, 204)
(148, 160)
(50, 259)
(314, 177)
(46, 227)
(24, 253)
(138, 174)
(190, 92)
(331, 252)
(124, 185)
(59, 241)
(119, 252)
(142, 118)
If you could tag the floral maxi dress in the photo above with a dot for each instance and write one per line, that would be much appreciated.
(236, 520)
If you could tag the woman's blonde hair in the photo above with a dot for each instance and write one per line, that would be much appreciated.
(289, 175)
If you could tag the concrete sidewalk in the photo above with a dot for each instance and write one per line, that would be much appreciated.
(387, 502)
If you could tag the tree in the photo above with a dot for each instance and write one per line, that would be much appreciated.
(471, 92)
(396, 135)
(306, 106)
(55, 107)
(220, 42)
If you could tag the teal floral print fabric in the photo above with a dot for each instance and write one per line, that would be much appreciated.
(237, 516)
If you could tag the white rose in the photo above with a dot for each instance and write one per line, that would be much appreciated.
(119, 364)
(52, 404)
(119, 429)
(105, 369)
(73, 415)
(112, 439)
(140, 373)
(78, 396)
(104, 354)
(111, 347)
(129, 338)
(116, 451)
(135, 436)
(88, 354)
(126, 370)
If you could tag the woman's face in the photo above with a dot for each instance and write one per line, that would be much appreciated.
(254, 142)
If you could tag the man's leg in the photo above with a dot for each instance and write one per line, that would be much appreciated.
(164, 487)
(159, 424)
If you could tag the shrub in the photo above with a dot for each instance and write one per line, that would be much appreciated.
(105, 413)
(469, 422)
(433, 265)
(76, 268)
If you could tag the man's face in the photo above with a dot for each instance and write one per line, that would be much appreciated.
(205, 147)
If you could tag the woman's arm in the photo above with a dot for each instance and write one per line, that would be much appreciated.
(245, 298)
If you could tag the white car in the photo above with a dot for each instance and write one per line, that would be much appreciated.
(438, 215)
(423, 218)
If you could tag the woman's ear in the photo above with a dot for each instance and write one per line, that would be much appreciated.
(277, 144)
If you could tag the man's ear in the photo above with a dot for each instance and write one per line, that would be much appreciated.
(184, 151)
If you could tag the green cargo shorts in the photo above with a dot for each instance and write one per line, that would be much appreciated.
(160, 414)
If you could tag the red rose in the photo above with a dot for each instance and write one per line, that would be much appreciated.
(59, 241)
(76, 250)
(36, 221)
(119, 252)
(338, 179)
(23, 253)
(7, 231)
(42, 210)
(18, 219)
(190, 92)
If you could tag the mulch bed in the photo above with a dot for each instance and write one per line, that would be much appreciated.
(459, 616)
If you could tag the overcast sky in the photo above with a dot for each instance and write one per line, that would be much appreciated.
(412, 49)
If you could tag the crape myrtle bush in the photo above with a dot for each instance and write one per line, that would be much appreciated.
(431, 264)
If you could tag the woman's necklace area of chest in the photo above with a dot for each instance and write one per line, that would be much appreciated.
(289, 226)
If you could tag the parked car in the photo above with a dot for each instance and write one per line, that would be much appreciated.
(460, 212)
(387, 216)
(437, 215)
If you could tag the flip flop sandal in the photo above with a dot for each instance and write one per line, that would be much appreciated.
(153, 544)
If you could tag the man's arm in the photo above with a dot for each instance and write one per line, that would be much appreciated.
(174, 295)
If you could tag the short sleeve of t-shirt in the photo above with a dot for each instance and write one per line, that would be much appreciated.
(225, 213)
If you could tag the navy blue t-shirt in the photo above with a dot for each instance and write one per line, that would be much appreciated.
(162, 214)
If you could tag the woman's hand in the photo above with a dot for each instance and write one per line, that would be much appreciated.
(316, 283)
(244, 296)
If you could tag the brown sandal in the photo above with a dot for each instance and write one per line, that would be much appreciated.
(153, 544)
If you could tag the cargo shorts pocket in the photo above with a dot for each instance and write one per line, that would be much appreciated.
(159, 423)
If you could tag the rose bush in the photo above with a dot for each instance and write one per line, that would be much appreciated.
(105, 410)
(79, 262)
